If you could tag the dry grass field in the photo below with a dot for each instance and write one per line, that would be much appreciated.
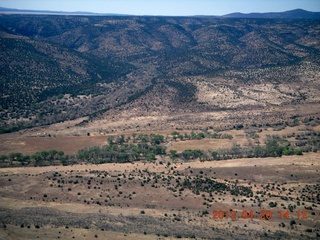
(14, 232)
(30, 145)
(143, 200)
(69, 138)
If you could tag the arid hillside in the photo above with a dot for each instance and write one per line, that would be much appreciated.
(177, 70)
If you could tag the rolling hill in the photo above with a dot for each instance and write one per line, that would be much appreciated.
(176, 69)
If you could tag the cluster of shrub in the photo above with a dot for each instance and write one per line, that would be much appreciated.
(199, 136)
(208, 185)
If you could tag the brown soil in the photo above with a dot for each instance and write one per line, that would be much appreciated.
(25, 188)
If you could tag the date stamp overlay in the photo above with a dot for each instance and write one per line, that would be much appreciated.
(262, 214)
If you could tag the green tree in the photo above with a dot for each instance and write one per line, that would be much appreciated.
(151, 157)
(110, 140)
(156, 139)
(173, 154)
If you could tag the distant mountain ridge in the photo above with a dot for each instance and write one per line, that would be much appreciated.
(27, 11)
(291, 14)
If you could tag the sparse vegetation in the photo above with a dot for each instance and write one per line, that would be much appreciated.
(161, 102)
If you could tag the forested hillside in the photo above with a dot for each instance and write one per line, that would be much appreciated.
(55, 68)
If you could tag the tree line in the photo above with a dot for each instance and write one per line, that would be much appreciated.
(144, 147)
(118, 150)
(273, 148)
